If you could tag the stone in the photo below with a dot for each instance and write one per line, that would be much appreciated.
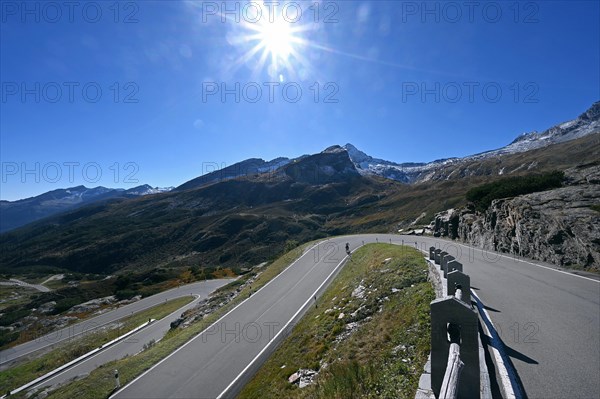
(47, 307)
(556, 226)
(303, 377)
(294, 378)
(359, 292)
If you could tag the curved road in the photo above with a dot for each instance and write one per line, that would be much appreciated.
(14, 281)
(549, 321)
(130, 345)
(48, 341)
(547, 318)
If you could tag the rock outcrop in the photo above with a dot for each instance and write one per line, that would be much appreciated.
(558, 226)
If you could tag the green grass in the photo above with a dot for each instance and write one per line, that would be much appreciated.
(364, 364)
(595, 207)
(6, 295)
(100, 383)
(26, 372)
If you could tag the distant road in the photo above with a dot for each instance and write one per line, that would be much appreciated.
(132, 344)
(14, 281)
(549, 320)
(202, 289)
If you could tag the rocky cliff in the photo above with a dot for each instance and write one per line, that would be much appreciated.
(560, 226)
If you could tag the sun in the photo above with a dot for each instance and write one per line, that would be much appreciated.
(277, 38)
(272, 44)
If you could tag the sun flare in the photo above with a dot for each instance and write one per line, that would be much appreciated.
(272, 44)
(277, 38)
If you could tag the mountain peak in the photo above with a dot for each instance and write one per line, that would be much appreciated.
(593, 113)
(525, 136)
(356, 155)
(331, 165)
(334, 149)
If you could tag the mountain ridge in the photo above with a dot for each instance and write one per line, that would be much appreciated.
(15, 214)
(239, 223)
(18, 213)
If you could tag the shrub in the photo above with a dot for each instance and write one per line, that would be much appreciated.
(125, 294)
(6, 337)
(482, 196)
(12, 315)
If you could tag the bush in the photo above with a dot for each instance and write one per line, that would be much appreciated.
(6, 337)
(66, 304)
(482, 196)
(12, 315)
(125, 294)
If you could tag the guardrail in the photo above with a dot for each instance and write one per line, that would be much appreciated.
(81, 358)
(455, 368)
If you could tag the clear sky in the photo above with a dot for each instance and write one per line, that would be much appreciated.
(160, 92)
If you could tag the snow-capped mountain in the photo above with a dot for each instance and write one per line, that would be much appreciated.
(147, 190)
(334, 164)
(587, 123)
(411, 172)
(14, 214)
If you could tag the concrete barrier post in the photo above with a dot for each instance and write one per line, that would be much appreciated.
(458, 278)
(437, 256)
(442, 254)
(463, 321)
(454, 265)
(445, 260)
(431, 253)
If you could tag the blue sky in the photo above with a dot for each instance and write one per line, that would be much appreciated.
(122, 95)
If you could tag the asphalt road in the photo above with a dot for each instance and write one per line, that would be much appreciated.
(549, 321)
(223, 356)
(14, 281)
(9, 356)
(134, 343)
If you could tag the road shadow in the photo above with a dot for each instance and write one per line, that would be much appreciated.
(491, 367)
(490, 309)
(506, 353)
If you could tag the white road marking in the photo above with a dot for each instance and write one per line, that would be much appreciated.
(215, 323)
(310, 298)
(505, 375)
(524, 261)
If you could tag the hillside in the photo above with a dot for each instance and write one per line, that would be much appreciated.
(242, 222)
(15, 214)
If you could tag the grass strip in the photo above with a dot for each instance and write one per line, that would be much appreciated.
(100, 383)
(23, 373)
(368, 337)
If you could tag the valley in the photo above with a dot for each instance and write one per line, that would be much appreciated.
(229, 222)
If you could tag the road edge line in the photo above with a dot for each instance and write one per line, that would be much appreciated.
(96, 327)
(213, 324)
(520, 260)
(506, 376)
(284, 327)
(79, 359)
